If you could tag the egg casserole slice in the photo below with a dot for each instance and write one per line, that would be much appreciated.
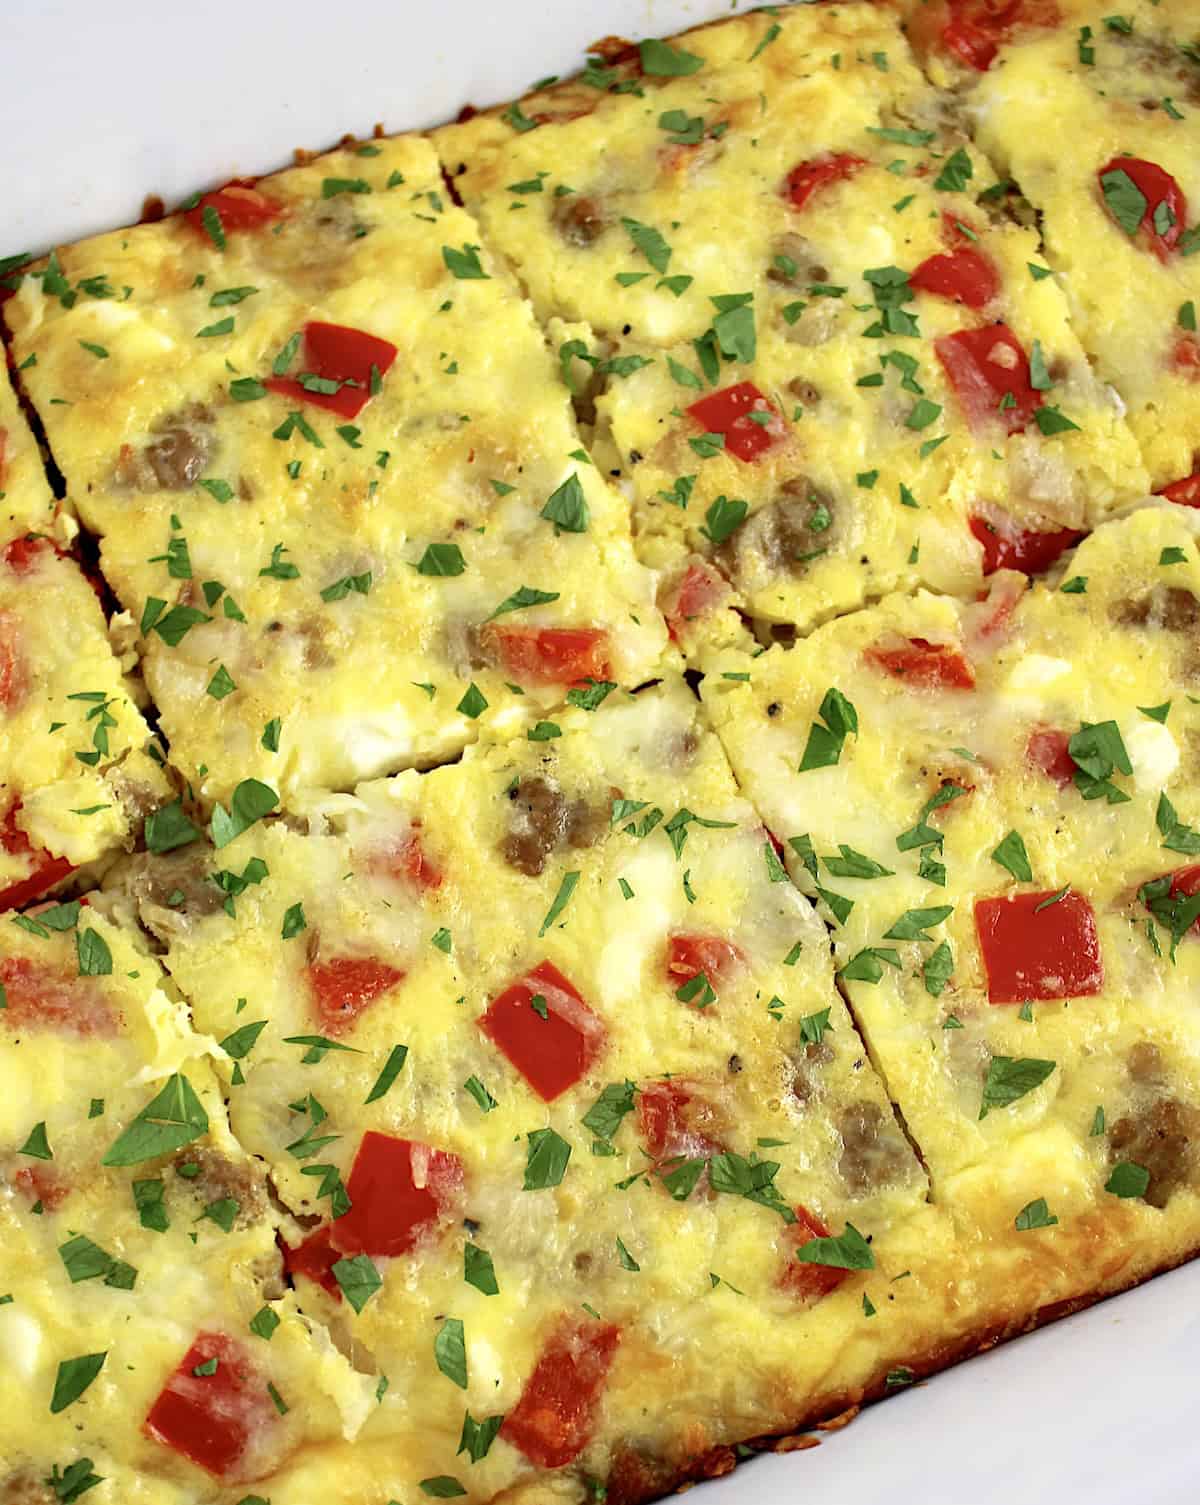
(143, 1320)
(1099, 123)
(336, 479)
(830, 358)
(546, 1052)
(78, 773)
(999, 836)
(26, 502)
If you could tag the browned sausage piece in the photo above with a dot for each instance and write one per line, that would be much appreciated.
(215, 1178)
(783, 535)
(1160, 1138)
(25, 1488)
(174, 460)
(1170, 607)
(578, 219)
(541, 819)
(874, 1153)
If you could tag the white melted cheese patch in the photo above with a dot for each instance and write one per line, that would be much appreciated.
(1153, 751)
(20, 1341)
(1036, 671)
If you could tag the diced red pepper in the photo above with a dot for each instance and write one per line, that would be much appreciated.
(688, 955)
(1159, 189)
(212, 1419)
(695, 592)
(1185, 357)
(975, 30)
(806, 178)
(548, 655)
(989, 372)
(343, 987)
(989, 620)
(1047, 751)
(24, 552)
(965, 277)
(1184, 492)
(315, 1258)
(1009, 547)
(239, 206)
(1185, 884)
(408, 861)
(551, 1053)
(677, 1121)
(398, 1189)
(337, 353)
(552, 1422)
(43, 876)
(14, 673)
(41, 1185)
(809, 1282)
(728, 412)
(1032, 953)
(38, 997)
(934, 666)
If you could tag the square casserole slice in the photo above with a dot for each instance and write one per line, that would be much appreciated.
(1001, 838)
(555, 1025)
(76, 775)
(795, 295)
(336, 478)
(1099, 126)
(148, 1341)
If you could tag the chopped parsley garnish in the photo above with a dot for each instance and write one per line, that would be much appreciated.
(546, 1161)
(660, 60)
(358, 1279)
(73, 1378)
(846, 1251)
(464, 264)
(1012, 856)
(1009, 1078)
(825, 743)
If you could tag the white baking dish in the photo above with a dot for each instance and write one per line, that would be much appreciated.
(102, 104)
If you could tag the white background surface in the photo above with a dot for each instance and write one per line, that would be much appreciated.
(105, 101)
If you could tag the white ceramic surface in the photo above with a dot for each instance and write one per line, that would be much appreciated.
(105, 101)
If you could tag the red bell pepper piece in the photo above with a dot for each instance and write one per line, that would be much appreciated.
(808, 1281)
(1047, 751)
(553, 1420)
(1184, 492)
(1009, 547)
(1033, 952)
(212, 1416)
(239, 206)
(1166, 204)
(343, 987)
(807, 178)
(547, 655)
(728, 412)
(933, 666)
(350, 360)
(551, 1045)
(989, 372)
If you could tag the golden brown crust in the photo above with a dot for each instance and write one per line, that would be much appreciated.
(834, 1410)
